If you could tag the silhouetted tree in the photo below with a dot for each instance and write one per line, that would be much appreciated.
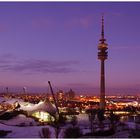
(59, 120)
(73, 132)
(45, 133)
(74, 120)
(91, 113)
(113, 119)
(62, 119)
(4, 133)
(134, 133)
(100, 115)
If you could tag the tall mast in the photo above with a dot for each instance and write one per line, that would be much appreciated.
(102, 55)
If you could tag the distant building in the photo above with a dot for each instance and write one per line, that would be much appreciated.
(60, 95)
(70, 95)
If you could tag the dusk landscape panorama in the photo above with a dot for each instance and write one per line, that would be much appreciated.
(69, 69)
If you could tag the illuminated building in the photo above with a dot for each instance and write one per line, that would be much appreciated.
(43, 116)
(43, 111)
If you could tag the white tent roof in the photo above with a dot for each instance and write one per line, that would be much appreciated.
(45, 106)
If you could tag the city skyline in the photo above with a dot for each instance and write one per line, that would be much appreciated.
(57, 42)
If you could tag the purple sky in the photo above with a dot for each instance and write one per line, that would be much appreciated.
(58, 42)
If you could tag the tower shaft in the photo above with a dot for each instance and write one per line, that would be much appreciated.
(102, 86)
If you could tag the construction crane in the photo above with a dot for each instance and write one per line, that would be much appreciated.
(57, 124)
(55, 102)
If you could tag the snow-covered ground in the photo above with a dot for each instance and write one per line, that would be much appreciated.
(33, 131)
(25, 132)
(18, 120)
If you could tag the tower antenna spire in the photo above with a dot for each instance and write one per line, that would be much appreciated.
(102, 30)
(102, 34)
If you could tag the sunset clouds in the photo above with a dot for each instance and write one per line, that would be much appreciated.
(10, 63)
